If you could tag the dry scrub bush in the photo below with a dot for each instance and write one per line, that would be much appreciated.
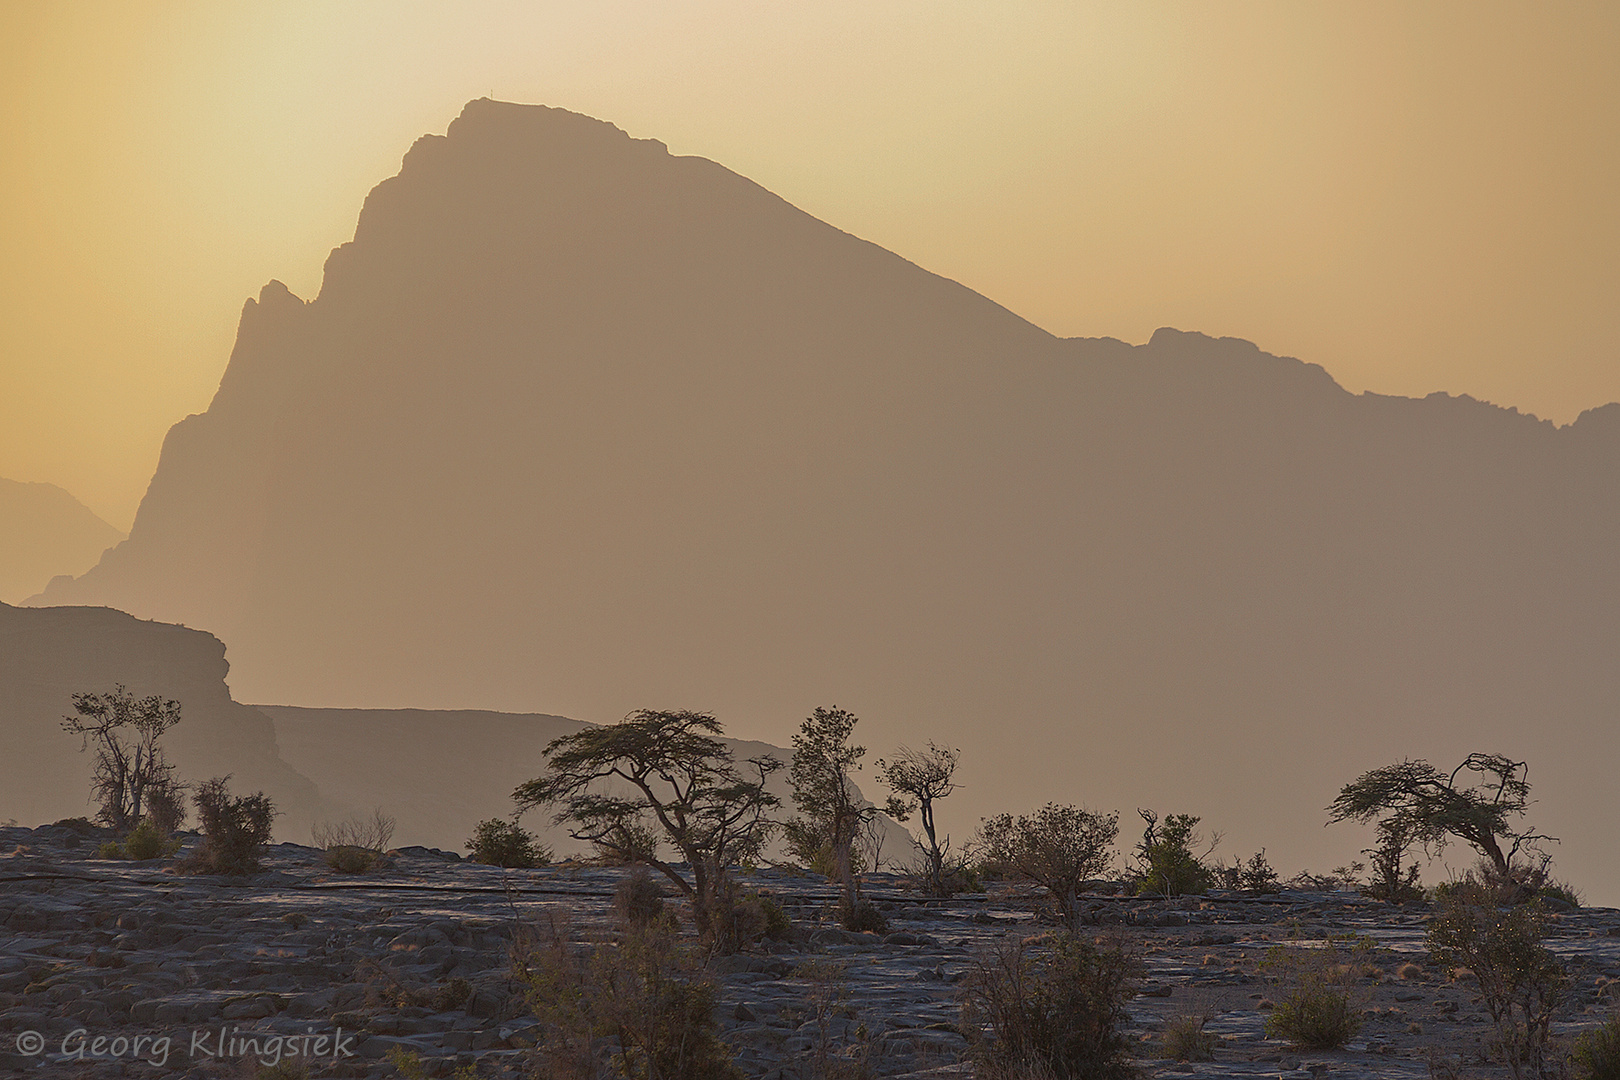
(1052, 1008)
(1321, 1011)
(235, 830)
(506, 843)
(410, 1065)
(1256, 876)
(1521, 983)
(356, 845)
(863, 918)
(639, 900)
(1186, 1040)
(637, 1009)
(743, 920)
(391, 988)
(828, 1013)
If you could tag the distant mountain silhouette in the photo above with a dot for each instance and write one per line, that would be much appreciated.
(49, 654)
(45, 531)
(581, 426)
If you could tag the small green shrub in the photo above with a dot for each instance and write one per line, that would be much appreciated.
(1562, 892)
(1321, 1011)
(778, 927)
(1053, 1012)
(235, 830)
(862, 917)
(506, 843)
(112, 849)
(1597, 1053)
(1315, 1016)
(1186, 1040)
(149, 841)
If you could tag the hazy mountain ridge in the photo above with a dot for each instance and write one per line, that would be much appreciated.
(45, 531)
(577, 425)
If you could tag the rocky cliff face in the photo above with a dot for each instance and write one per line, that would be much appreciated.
(578, 425)
(49, 654)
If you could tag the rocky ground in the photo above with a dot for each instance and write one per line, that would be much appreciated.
(416, 956)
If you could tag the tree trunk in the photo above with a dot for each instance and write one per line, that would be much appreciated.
(842, 864)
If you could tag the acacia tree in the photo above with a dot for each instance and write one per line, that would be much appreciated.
(919, 778)
(684, 776)
(1416, 800)
(825, 793)
(132, 778)
(1059, 847)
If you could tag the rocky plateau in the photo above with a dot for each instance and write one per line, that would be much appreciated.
(416, 956)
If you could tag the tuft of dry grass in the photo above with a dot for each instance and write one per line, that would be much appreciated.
(1186, 1040)
(356, 845)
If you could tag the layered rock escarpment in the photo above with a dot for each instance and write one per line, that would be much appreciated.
(578, 425)
(49, 654)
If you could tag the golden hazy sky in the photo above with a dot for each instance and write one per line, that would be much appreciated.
(1419, 197)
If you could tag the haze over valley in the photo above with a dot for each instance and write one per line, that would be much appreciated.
(576, 426)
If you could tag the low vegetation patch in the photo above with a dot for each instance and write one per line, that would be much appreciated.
(639, 1007)
(1322, 1008)
(1597, 1053)
(146, 842)
(1186, 1040)
(1053, 1009)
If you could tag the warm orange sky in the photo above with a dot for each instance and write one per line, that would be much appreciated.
(1418, 197)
